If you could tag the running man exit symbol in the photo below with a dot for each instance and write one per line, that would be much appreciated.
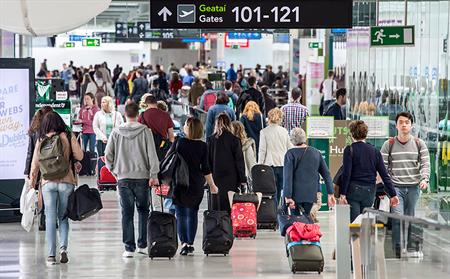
(186, 13)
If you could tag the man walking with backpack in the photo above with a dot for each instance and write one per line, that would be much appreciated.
(131, 156)
(408, 163)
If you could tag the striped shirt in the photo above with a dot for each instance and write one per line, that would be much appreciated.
(294, 115)
(407, 168)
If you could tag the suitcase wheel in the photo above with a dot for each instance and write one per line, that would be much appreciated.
(207, 255)
(225, 255)
(171, 258)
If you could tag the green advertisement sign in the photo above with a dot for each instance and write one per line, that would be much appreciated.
(63, 108)
(391, 36)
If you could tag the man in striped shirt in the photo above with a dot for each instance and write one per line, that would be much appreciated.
(408, 163)
(294, 113)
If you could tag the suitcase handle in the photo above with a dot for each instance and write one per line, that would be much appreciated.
(162, 199)
(210, 195)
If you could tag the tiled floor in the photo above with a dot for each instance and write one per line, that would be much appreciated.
(95, 252)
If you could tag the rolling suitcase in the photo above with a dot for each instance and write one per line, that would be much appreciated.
(263, 180)
(162, 234)
(217, 230)
(243, 217)
(88, 163)
(304, 255)
(267, 214)
(105, 179)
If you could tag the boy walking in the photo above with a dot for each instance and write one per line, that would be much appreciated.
(131, 156)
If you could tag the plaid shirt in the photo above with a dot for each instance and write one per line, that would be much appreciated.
(294, 115)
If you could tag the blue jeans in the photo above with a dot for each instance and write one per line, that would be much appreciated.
(408, 197)
(56, 196)
(134, 191)
(360, 197)
(278, 172)
(101, 146)
(89, 138)
(187, 221)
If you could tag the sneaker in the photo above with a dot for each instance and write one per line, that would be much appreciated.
(51, 261)
(143, 251)
(64, 259)
(184, 250)
(190, 249)
(127, 254)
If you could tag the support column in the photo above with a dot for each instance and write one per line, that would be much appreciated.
(342, 220)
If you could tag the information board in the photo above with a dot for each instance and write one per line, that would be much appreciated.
(320, 127)
(378, 126)
(251, 14)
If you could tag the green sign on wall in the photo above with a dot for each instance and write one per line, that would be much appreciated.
(391, 36)
(69, 44)
(91, 42)
(315, 45)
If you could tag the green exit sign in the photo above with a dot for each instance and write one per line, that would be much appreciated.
(69, 44)
(391, 36)
(315, 45)
(91, 42)
(234, 47)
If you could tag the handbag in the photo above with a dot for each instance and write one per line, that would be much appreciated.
(83, 203)
(285, 219)
(173, 169)
(337, 180)
(28, 209)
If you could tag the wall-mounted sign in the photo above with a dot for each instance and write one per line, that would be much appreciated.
(245, 35)
(378, 126)
(391, 36)
(235, 43)
(251, 14)
(69, 45)
(320, 127)
(315, 45)
(93, 42)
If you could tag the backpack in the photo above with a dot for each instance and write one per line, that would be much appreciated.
(209, 100)
(52, 162)
(391, 146)
(100, 93)
(230, 102)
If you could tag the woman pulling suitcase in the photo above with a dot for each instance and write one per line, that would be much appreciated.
(187, 200)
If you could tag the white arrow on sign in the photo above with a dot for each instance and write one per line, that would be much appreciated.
(396, 36)
(165, 12)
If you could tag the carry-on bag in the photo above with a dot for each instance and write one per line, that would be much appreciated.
(105, 179)
(162, 234)
(263, 180)
(285, 219)
(217, 230)
(267, 214)
(244, 206)
(83, 203)
(304, 255)
(88, 163)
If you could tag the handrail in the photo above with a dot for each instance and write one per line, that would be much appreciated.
(410, 219)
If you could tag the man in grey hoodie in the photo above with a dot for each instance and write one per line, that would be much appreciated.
(131, 156)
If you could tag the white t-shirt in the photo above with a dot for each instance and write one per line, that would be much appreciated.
(329, 86)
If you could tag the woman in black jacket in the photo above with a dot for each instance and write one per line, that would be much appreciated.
(33, 134)
(226, 161)
(187, 200)
(122, 90)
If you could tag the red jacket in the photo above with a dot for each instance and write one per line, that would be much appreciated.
(175, 87)
(300, 231)
(86, 117)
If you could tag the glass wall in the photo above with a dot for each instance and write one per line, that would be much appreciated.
(387, 80)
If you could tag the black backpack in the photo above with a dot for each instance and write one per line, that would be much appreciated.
(83, 203)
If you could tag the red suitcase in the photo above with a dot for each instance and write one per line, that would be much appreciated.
(243, 217)
(105, 179)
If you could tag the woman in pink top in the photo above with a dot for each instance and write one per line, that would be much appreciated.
(85, 118)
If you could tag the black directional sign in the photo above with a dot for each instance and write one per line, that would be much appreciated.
(206, 14)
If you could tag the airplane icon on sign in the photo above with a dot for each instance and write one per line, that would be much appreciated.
(186, 13)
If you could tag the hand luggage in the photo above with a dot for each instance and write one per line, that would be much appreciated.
(105, 179)
(285, 219)
(217, 230)
(267, 214)
(83, 203)
(304, 255)
(162, 234)
(263, 180)
(243, 217)
(88, 163)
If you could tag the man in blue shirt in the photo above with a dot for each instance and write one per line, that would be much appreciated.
(67, 76)
(231, 74)
(335, 109)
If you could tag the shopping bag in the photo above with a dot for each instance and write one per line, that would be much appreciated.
(29, 210)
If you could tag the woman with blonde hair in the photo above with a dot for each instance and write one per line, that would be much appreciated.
(104, 122)
(273, 145)
(248, 146)
(253, 121)
(226, 161)
(142, 105)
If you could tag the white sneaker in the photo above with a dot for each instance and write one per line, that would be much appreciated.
(127, 254)
(143, 251)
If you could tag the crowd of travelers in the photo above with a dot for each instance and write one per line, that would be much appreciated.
(242, 129)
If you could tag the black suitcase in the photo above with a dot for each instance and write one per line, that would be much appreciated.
(267, 214)
(162, 234)
(306, 256)
(263, 180)
(217, 231)
(83, 203)
(88, 163)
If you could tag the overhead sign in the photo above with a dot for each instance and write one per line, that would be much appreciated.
(69, 44)
(235, 43)
(245, 35)
(91, 42)
(76, 38)
(251, 14)
(141, 31)
(391, 36)
(315, 45)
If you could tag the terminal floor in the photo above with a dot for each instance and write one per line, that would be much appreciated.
(95, 251)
